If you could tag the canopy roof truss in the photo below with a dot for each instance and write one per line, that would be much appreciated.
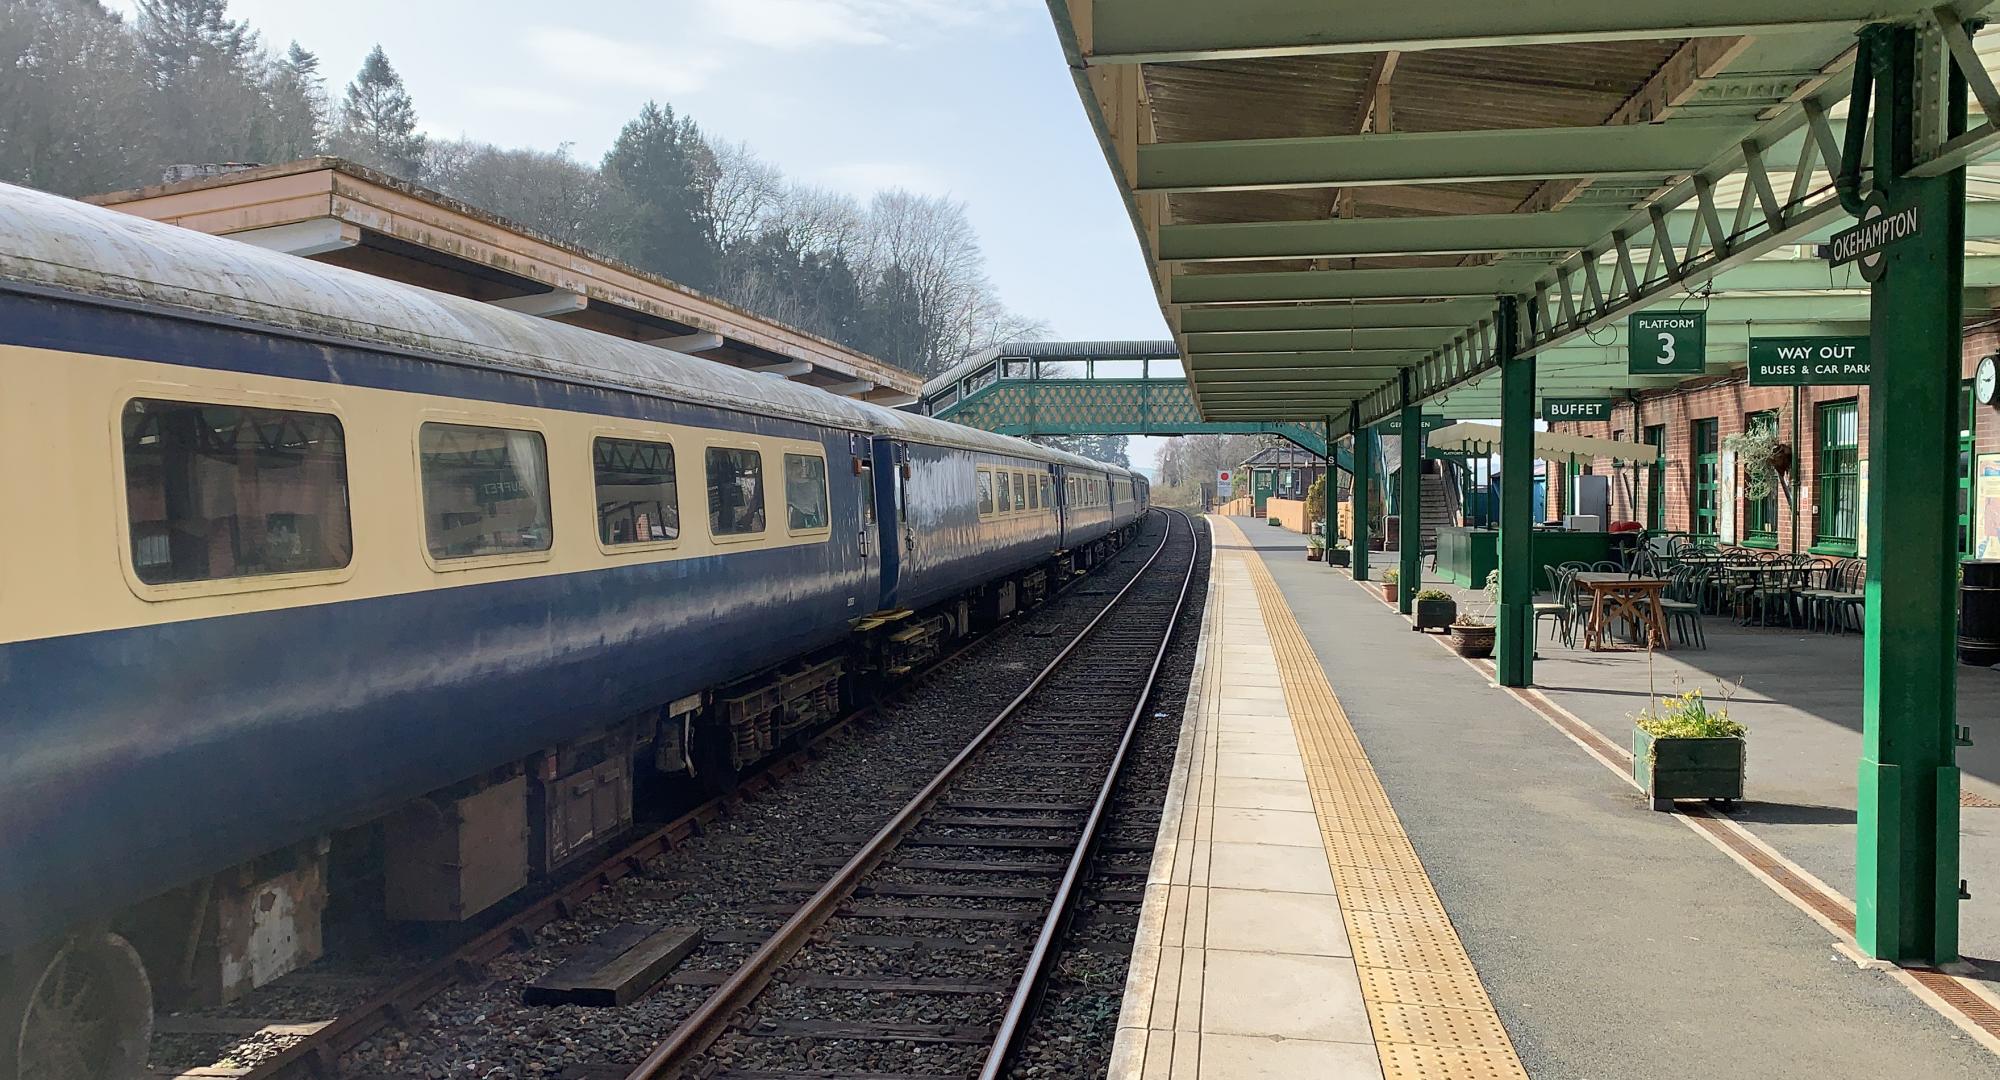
(1331, 207)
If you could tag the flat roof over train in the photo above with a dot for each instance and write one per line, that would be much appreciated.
(334, 211)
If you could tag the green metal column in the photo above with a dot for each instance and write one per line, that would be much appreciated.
(1906, 870)
(1329, 526)
(1410, 536)
(1364, 478)
(1514, 633)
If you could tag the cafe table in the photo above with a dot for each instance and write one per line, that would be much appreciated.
(1622, 596)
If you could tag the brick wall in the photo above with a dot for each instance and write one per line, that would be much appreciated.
(1729, 401)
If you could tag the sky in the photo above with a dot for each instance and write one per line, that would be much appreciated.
(965, 98)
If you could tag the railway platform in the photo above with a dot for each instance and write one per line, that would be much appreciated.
(1375, 862)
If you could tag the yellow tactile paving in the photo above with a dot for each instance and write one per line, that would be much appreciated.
(1432, 1019)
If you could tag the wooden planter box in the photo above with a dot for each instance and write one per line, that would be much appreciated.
(1472, 642)
(1433, 614)
(1340, 557)
(1669, 769)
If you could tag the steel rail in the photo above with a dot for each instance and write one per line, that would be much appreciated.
(1014, 1026)
(708, 1022)
(317, 1055)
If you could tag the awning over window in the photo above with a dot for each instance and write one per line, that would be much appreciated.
(1549, 445)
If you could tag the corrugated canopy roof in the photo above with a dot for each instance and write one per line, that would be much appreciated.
(1332, 199)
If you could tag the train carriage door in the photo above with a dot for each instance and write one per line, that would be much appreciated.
(890, 460)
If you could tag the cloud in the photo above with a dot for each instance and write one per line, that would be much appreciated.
(584, 57)
(799, 25)
(523, 99)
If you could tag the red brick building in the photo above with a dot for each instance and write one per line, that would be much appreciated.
(1817, 507)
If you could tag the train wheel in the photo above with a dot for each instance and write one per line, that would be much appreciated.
(85, 1013)
(713, 757)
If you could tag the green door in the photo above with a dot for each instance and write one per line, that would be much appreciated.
(1965, 458)
(1705, 450)
(1656, 480)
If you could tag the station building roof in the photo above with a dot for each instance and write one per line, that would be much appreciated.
(337, 212)
(1330, 202)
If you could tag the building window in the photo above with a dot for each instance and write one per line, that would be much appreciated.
(486, 491)
(1760, 516)
(1837, 513)
(222, 491)
(637, 501)
(805, 492)
(735, 491)
(1703, 492)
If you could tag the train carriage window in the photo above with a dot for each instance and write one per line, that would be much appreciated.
(735, 491)
(1047, 491)
(805, 492)
(486, 490)
(1004, 498)
(985, 493)
(1034, 494)
(225, 491)
(1020, 491)
(638, 501)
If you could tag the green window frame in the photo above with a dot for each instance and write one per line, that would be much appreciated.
(1837, 477)
(1656, 480)
(1966, 459)
(1705, 488)
(1760, 516)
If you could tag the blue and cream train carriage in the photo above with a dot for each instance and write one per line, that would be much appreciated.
(299, 560)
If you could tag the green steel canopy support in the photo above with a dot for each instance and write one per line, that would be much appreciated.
(1906, 868)
(1410, 530)
(1514, 623)
(1364, 478)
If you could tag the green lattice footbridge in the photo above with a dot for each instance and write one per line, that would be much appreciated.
(1088, 388)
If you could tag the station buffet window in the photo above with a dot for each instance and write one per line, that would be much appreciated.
(227, 491)
(1760, 516)
(638, 501)
(486, 490)
(1837, 467)
(735, 491)
(805, 492)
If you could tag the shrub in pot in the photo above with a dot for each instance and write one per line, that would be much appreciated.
(1472, 631)
(1434, 609)
(1682, 749)
(1389, 585)
(1315, 548)
(1339, 556)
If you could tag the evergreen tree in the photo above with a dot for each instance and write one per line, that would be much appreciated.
(663, 167)
(297, 95)
(378, 123)
(206, 71)
(73, 102)
(892, 321)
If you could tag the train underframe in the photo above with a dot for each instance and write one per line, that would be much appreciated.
(82, 1006)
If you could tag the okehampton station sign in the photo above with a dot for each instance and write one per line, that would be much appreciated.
(1809, 361)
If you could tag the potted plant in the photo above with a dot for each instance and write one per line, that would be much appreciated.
(1763, 456)
(1339, 556)
(1315, 548)
(1682, 749)
(1472, 631)
(1389, 578)
(1434, 609)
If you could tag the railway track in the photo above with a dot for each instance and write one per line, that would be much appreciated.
(316, 1050)
(912, 958)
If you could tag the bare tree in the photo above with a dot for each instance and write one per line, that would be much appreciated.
(742, 195)
(552, 193)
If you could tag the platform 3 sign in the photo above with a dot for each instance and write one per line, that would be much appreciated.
(1667, 343)
(1809, 361)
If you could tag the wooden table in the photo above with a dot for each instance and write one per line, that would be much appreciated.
(1615, 595)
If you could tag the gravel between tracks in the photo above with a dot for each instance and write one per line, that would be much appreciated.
(792, 833)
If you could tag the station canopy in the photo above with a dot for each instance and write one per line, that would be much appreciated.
(1468, 438)
(1332, 199)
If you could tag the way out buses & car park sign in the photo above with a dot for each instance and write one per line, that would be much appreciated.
(1809, 361)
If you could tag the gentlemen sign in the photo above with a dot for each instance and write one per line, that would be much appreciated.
(1576, 408)
(1667, 342)
(1394, 424)
(1879, 227)
(1809, 361)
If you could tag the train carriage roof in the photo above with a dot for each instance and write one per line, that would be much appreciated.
(52, 243)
